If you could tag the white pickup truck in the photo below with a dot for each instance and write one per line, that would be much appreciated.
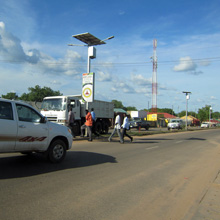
(175, 124)
(25, 130)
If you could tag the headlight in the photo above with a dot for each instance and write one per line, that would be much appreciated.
(69, 131)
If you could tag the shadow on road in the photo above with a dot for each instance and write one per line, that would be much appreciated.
(150, 140)
(25, 166)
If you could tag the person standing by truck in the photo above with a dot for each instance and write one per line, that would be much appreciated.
(117, 128)
(71, 119)
(88, 125)
(94, 122)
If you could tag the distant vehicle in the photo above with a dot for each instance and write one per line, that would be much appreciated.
(205, 125)
(175, 124)
(23, 129)
(139, 123)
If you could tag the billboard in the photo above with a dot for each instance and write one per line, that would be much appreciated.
(152, 117)
(88, 80)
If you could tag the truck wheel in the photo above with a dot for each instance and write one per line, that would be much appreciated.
(57, 151)
(76, 128)
(105, 128)
(147, 127)
(98, 127)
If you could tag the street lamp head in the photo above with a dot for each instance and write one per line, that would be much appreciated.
(109, 38)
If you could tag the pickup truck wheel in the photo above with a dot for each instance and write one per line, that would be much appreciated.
(57, 151)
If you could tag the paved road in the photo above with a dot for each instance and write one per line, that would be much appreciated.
(169, 176)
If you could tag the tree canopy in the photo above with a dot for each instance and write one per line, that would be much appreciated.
(35, 94)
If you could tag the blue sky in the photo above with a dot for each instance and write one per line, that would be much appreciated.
(34, 38)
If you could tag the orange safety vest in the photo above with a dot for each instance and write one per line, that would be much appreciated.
(88, 119)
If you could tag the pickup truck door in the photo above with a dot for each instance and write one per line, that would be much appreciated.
(8, 127)
(32, 133)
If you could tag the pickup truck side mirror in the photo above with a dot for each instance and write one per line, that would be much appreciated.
(43, 120)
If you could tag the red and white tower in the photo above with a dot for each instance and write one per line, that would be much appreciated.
(154, 79)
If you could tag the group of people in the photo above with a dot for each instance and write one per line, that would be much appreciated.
(117, 128)
(90, 125)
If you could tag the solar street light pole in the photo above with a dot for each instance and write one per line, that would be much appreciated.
(187, 98)
(90, 41)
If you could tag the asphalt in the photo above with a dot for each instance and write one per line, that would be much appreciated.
(209, 205)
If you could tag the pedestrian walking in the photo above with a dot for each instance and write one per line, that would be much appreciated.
(71, 119)
(94, 122)
(87, 125)
(117, 128)
(125, 127)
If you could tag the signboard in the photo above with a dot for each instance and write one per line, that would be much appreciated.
(152, 117)
(88, 86)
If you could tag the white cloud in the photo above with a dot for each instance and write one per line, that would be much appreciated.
(11, 50)
(204, 63)
(104, 77)
(186, 64)
(123, 87)
(213, 98)
(140, 80)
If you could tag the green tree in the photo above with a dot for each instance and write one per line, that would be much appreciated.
(203, 113)
(166, 110)
(117, 104)
(37, 93)
(215, 115)
(10, 95)
(131, 108)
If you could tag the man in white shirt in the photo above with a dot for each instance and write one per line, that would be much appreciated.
(117, 128)
(125, 127)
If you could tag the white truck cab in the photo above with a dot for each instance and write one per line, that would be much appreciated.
(24, 129)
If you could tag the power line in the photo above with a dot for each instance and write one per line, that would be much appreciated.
(211, 59)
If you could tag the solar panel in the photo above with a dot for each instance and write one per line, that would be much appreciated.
(89, 39)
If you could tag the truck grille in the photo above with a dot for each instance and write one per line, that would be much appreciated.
(53, 119)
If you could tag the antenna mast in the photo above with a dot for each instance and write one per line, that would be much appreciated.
(154, 79)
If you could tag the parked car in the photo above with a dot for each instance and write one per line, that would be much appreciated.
(205, 125)
(139, 123)
(175, 124)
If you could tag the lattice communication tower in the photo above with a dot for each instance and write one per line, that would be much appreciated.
(154, 78)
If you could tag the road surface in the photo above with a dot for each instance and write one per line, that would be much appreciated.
(157, 177)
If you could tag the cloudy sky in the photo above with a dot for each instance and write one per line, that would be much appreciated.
(34, 38)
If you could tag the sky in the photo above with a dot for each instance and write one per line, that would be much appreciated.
(34, 38)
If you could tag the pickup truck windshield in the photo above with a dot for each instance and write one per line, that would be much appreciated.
(53, 104)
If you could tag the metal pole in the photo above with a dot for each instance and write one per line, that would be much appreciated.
(88, 63)
(186, 110)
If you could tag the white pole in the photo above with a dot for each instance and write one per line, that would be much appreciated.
(88, 63)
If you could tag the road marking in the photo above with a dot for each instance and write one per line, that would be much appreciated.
(179, 142)
(150, 148)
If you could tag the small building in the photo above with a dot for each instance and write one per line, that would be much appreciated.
(192, 121)
(138, 114)
(159, 119)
